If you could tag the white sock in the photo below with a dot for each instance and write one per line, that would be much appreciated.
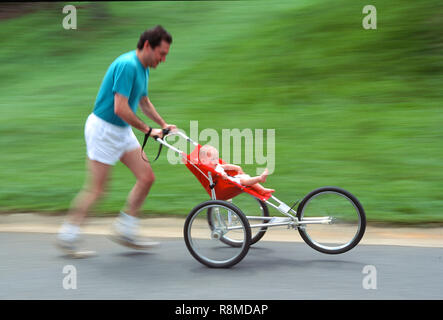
(69, 232)
(127, 224)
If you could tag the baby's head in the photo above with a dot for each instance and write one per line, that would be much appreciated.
(208, 155)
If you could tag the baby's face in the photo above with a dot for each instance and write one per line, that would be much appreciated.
(209, 157)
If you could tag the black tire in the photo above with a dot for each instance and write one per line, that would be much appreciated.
(210, 262)
(254, 238)
(360, 213)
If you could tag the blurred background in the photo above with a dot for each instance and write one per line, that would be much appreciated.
(359, 109)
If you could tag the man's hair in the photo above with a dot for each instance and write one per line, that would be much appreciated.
(154, 36)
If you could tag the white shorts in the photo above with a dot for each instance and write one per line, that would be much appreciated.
(106, 142)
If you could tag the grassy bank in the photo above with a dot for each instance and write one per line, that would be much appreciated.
(360, 109)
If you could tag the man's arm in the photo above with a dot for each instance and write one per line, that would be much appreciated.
(122, 109)
(149, 110)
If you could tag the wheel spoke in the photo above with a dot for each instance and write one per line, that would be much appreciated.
(251, 207)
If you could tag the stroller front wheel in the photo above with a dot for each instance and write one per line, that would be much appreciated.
(345, 216)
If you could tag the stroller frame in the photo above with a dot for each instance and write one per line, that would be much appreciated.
(293, 218)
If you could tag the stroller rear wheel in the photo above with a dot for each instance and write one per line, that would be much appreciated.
(204, 243)
(254, 209)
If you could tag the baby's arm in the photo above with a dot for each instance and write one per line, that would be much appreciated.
(232, 167)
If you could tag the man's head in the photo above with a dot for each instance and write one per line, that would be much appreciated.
(208, 155)
(153, 46)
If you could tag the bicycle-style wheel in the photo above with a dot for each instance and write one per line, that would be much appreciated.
(204, 241)
(253, 209)
(343, 210)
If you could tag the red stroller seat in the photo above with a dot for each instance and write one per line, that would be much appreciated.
(224, 189)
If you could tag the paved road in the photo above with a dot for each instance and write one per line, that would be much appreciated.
(31, 268)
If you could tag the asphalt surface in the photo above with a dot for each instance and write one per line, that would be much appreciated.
(32, 268)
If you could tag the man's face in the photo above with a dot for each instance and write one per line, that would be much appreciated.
(158, 54)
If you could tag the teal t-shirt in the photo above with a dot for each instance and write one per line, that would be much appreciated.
(126, 76)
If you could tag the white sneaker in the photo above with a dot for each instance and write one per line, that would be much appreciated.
(133, 242)
(71, 248)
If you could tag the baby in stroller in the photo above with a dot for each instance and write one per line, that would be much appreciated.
(209, 156)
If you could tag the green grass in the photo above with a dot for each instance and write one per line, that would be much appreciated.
(360, 109)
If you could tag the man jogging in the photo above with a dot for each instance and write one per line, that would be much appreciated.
(109, 139)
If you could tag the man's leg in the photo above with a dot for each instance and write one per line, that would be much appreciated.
(97, 177)
(145, 178)
(127, 223)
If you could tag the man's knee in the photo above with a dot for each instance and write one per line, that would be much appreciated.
(147, 179)
(95, 192)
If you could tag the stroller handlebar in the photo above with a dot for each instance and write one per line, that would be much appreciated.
(165, 132)
(169, 133)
